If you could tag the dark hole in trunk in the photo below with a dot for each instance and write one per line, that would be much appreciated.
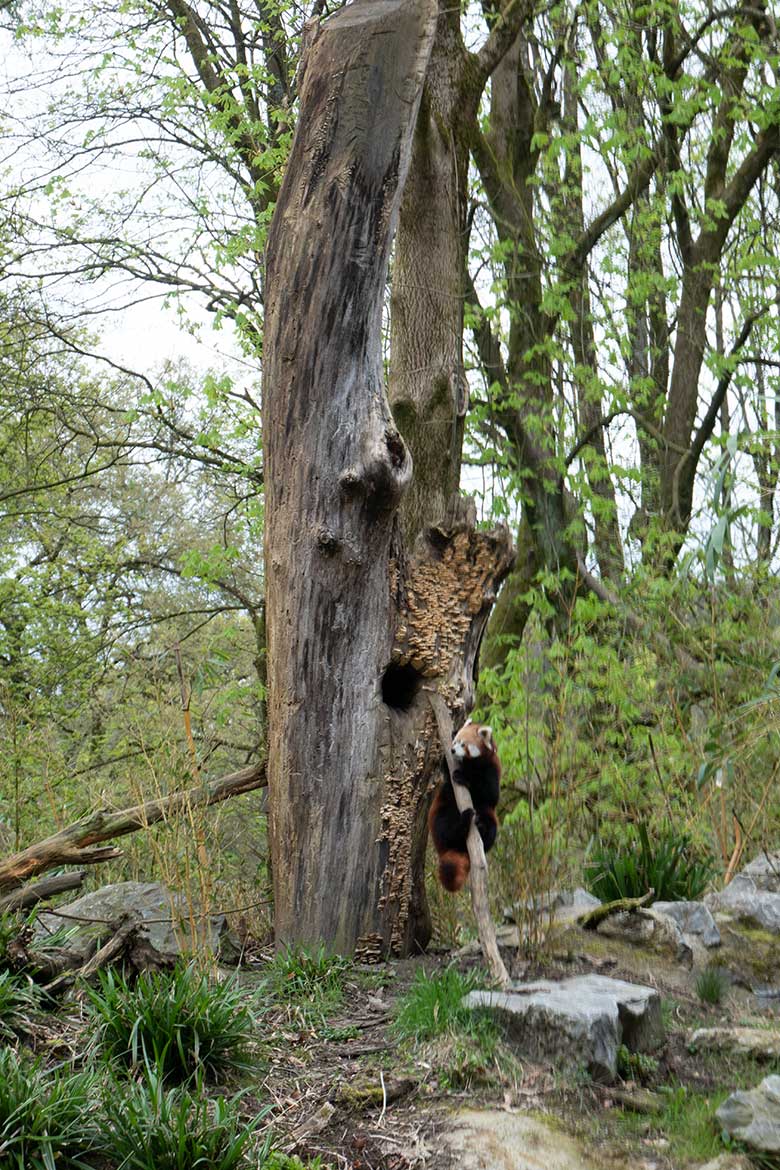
(400, 686)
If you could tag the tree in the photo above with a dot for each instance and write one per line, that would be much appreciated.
(358, 625)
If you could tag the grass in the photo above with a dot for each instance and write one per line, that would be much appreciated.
(181, 1023)
(433, 1005)
(667, 865)
(154, 1126)
(687, 1123)
(47, 1118)
(312, 981)
(467, 1041)
(712, 984)
(19, 1000)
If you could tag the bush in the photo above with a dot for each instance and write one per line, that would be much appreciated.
(157, 1128)
(667, 865)
(180, 1022)
(46, 1118)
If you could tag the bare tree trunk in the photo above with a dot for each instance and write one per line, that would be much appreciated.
(427, 386)
(356, 627)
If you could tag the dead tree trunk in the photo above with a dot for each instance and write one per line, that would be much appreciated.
(356, 624)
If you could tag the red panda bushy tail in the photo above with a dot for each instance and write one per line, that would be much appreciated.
(453, 870)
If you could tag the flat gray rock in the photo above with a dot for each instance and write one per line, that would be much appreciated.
(581, 1021)
(693, 918)
(743, 898)
(163, 931)
(753, 1117)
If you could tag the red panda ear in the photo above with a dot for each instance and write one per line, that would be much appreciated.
(486, 733)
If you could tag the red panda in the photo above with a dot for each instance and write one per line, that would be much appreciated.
(478, 767)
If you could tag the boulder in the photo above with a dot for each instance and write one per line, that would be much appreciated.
(579, 1022)
(743, 899)
(753, 1117)
(760, 1043)
(729, 1162)
(647, 928)
(693, 918)
(764, 870)
(163, 931)
(561, 905)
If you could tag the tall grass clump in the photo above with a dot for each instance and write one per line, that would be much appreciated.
(181, 1022)
(156, 1126)
(47, 1118)
(308, 978)
(667, 864)
(19, 1001)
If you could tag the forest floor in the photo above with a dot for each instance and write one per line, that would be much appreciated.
(345, 1089)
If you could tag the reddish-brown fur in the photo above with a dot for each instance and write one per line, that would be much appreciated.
(447, 826)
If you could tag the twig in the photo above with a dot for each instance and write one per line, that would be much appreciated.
(384, 1100)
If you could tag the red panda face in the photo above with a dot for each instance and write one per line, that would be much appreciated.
(473, 741)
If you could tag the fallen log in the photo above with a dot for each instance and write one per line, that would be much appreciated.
(73, 844)
(23, 899)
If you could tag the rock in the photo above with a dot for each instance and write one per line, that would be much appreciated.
(693, 918)
(753, 1117)
(647, 928)
(729, 1162)
(580, 1021)
(506, 936)
(742, 898)
(493, 1139)
(157, 942)
(562, 905)
(764, 870)
(749, 953)
(762, 1043)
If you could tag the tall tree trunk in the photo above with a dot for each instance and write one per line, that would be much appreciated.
(357, 628)
(427, 386)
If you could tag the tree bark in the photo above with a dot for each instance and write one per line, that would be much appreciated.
(427, 383)
(336, 465)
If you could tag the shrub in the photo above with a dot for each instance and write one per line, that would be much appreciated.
(46, 1118)
(180, 1021)
(154, 1127)
(667, 865)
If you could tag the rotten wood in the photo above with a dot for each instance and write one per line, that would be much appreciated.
(73, 845)
(478, 881)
